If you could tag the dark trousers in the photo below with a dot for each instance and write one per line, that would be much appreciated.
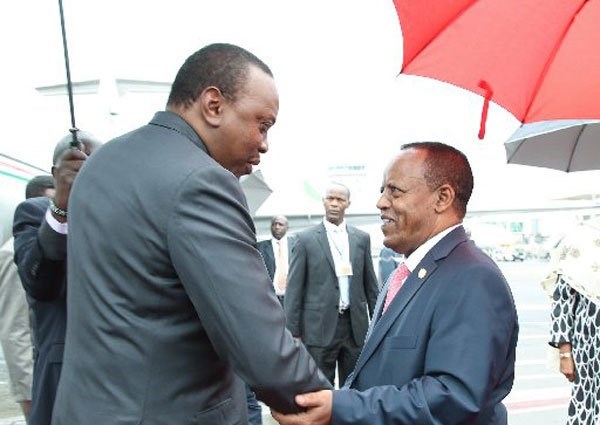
(254, 409)
(342, 352)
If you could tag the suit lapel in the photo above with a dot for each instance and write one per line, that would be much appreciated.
(382, 323)
(378, 308)
(413, 284)
(324, 242)
(352, 244)
(270, 256)
(352, 252)
(290, 245)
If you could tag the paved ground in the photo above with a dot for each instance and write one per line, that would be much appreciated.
(18, 420)
(539, 397)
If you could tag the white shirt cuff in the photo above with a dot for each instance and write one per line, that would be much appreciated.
(56, 225)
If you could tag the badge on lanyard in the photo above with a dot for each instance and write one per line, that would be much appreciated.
(344, 268)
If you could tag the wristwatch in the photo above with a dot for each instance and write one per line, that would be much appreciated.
(565, 355)
(56, 210)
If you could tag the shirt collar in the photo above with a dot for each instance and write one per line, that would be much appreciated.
(283, 241)
(415, 258)
(174, 122)
(332, 228)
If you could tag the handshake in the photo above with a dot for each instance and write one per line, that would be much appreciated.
(318, 407)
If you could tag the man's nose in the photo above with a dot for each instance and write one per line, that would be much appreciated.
(264, 146)
(383, 202)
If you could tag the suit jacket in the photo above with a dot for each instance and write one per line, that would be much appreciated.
(266, 250)
(387, 264)
(312, 293)
(444, 351)
(40, 255)
(169, 300)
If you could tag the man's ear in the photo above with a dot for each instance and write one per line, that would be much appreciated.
(53, 172)
(445, 198)
(211, 103)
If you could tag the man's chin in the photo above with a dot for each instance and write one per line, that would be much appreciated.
(388, 242)
(242, 171)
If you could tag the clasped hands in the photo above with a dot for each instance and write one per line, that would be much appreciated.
(318, 407)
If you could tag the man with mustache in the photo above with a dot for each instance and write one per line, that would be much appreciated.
(441, 348)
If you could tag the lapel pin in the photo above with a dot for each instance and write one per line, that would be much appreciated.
(422, 273)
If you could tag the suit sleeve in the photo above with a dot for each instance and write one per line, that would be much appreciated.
(263, 248)
(371, 284)
(40, 252)
(294, 292)
(212, 244)
(473, 328)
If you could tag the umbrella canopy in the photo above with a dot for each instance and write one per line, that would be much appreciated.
(256, 190)
(534, 58)
(567, 145)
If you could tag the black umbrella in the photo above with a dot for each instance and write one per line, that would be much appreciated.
(73, 129)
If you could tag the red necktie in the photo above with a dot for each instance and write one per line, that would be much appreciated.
(396, 280)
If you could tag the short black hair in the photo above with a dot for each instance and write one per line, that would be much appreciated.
(38, 185)
(221, 65)
(278, 218)
(444, 164)
(334, 185)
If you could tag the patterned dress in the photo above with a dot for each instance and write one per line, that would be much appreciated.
(576, 319)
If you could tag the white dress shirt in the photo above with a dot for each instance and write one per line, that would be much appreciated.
(340, 251)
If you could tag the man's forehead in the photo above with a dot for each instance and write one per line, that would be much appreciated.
(405, 166)
(336, 193)
(391, 178)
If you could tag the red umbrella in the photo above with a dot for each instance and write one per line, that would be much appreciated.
(535, 58)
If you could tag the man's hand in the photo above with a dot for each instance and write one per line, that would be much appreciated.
(318, 405)
(64, 175)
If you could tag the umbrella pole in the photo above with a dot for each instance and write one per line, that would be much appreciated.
(73, 129)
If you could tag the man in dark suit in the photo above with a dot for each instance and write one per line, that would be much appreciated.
(276, 252)
(40, 232)
(15, 326)
(169, 301)
(273, 251)
(388, 261)
(332, 287)
(441, 349)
